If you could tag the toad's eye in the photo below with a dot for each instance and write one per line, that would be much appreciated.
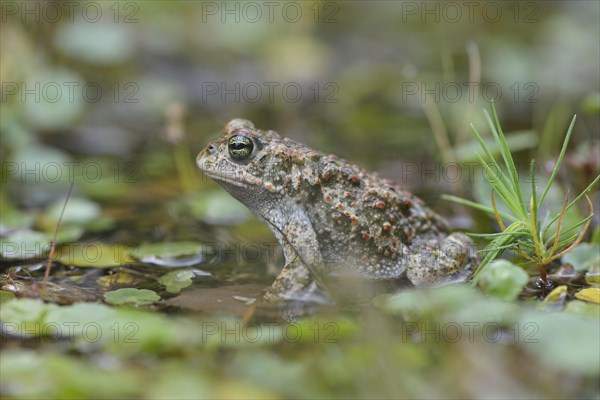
(240, 147)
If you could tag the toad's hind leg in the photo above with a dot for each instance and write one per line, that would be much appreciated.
(435, 263)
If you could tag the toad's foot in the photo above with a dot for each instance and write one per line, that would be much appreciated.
(436, 263)
(295, 283)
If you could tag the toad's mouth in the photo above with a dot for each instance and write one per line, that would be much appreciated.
(225, 179)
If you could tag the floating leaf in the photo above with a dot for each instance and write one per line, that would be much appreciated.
(562, 341)
(176, 280)
(555, 299)
(451, 297)
(118, 278)
(81, 316)
(173, 254)
(591, 295)
(68, 233)
(503, 279)
(170, 249)
(79, 210)
(100, 224)
(24, 316)
(260, 369)
(583, 256)
(62, 375)
(178, 382)
(81, 214)
(132, 296)
(121, 330)
(94, 254)
(24, 244)
(582, 308)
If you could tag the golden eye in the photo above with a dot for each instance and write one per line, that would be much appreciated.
(240, 147)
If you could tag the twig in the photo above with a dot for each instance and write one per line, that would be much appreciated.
(53, 243)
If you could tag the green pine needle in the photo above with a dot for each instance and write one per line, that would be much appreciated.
(527, 234)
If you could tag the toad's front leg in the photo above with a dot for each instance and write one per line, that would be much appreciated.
(298, 279)
(291, 283)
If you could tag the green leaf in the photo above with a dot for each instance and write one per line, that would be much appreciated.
(79, 210)
(25, 316)
(131, 296)
(555, 300)
(508, 159)
(503, 279)
(24, 244)
(477, 206)
(64, 376)
(591, 295)
(82, 315)
(562, 341)
(169, 249)
(174, 254)
(584, 309)
(176, 280)
(495, 248)
(94, 254)
(559, 161)
(422, 301)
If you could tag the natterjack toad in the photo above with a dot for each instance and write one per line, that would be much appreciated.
(331, 214)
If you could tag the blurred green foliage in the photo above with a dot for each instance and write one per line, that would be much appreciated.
(88, 95)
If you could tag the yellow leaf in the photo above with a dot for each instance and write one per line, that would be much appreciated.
(591, 295)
